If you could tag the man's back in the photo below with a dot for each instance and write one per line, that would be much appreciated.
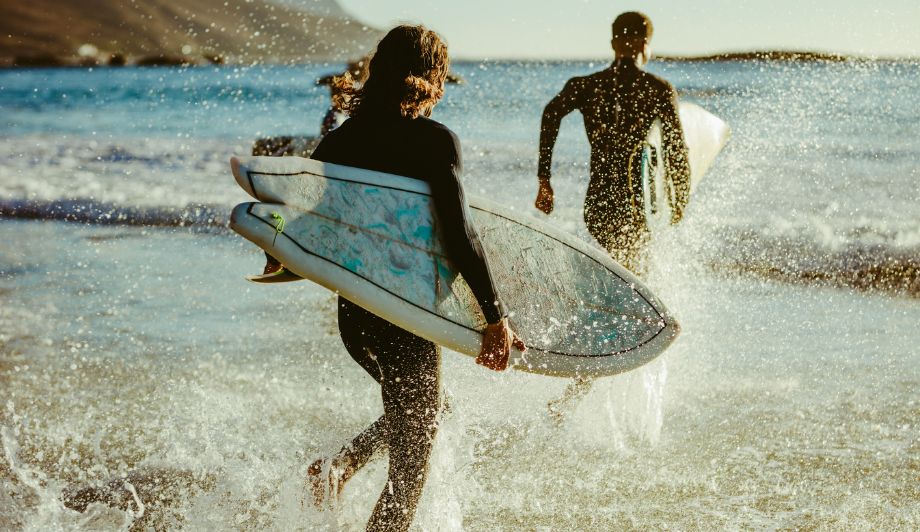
(619, 105)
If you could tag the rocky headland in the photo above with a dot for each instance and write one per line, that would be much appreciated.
(176, 32)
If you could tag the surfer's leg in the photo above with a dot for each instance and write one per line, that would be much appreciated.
(411, 403)
(361, 333)
(602, 222)
(358, 329)
(327, 476)
(624, 238)
(597, 218)
(631, 250)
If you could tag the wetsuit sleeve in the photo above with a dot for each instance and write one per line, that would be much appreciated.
(562, 104)
(677, 164)
(459, 233)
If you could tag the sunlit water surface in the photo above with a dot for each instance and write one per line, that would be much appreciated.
(789, 401)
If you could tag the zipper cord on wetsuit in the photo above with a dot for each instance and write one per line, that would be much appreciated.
(629, 173)
(279, 227)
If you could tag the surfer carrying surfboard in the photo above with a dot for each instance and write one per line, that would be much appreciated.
(389, 131)
(619, 105)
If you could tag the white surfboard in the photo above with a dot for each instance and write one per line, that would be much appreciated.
(705, 134)
(373, 238)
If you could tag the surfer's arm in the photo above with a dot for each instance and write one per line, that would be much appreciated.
(460, 237)
(561, 105)
(677, 163)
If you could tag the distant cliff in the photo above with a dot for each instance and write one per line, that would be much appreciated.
(177, 31)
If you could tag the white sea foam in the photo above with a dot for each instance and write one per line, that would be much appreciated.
(132, 172)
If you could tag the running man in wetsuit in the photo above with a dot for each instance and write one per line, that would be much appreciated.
(619, 106)
(388, 131)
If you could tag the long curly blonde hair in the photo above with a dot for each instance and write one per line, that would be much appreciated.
(406, 74)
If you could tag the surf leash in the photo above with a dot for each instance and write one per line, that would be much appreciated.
(279, 226)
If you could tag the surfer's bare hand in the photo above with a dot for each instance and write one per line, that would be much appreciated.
(544, 196)
(497, 341)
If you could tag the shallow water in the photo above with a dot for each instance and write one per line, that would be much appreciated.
(140, 349)
(779, 406)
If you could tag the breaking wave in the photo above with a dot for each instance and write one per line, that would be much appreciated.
(202, 217)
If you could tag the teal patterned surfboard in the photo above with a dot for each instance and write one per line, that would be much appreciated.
(373, 238)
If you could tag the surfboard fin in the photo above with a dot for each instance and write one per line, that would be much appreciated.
(283, 275)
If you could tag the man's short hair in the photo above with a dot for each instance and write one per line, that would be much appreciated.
(632, 24)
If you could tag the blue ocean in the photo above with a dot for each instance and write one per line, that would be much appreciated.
(131, 346)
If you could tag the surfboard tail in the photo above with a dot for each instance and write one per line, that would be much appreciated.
(241, 174)
(283, 275)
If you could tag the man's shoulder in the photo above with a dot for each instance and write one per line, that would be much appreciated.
(657, 82)
(589, 80)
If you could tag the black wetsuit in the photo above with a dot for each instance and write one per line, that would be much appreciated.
(423, 149)
(406, 366)
(619, 106)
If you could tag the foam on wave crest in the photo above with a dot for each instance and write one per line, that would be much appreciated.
(198, 216)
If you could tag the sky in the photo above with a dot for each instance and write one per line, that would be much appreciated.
(550, 29)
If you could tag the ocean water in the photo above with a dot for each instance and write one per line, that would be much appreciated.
(130, 345)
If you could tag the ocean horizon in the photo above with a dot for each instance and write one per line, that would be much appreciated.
(771, 55)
